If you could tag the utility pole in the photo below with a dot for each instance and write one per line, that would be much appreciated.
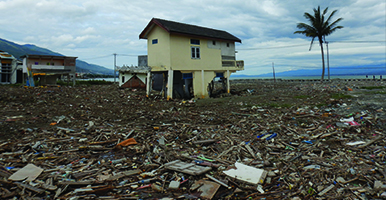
(115, 66)
(273, 68)
(328, 61)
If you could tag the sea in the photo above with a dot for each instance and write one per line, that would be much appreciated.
(284, 77)
(318, 77)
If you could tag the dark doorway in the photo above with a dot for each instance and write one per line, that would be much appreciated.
(19, 76)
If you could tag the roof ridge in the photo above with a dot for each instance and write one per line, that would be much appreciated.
(188, 29)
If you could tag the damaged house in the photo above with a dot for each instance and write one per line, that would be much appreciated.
(48, 68)
(185, 59)
(134, 76)
(10, 69)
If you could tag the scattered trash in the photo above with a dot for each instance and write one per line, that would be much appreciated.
(278, 140)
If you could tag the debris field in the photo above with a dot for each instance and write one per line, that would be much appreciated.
(264, 140)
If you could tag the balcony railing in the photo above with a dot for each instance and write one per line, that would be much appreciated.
(240, 63)
(233, 63)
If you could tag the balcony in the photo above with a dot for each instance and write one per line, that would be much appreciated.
(237, 64)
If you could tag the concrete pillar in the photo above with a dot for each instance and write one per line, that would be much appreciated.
(228, 85)
(147, 84)
(203, 84)
(170, 85)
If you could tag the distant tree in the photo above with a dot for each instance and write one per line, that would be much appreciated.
(319, 27)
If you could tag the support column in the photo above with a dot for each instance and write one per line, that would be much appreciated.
(170, 85)
(203, 84)
(148, 84)
(228, 85)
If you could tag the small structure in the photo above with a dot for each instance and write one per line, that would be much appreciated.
(189, 57)
(48, 68)
(10, 69)
(134, 76)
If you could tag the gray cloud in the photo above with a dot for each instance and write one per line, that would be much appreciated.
(92, 29)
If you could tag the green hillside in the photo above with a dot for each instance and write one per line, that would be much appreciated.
(19, 50)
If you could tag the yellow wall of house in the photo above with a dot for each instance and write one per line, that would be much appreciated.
(181, 56)
(158, 54)
(174, 52)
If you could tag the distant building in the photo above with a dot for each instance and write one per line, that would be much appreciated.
(10, 69)
(189, 57)
(48, 68)
(133, 77)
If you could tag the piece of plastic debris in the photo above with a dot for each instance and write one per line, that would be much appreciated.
(355, 143)
(130, 141)
(243, 173)
(29, 173)
(174, 185)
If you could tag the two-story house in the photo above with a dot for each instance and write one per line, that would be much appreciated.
(48, 68)
(190, 56)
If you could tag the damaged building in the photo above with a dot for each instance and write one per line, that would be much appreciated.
(185, 59)
(48, 68)
(134, 76)
(10, 69)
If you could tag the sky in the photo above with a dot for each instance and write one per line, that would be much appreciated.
(93, 30)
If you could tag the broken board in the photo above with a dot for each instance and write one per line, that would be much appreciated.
(207, 188)
(188, 168)
(247, 173)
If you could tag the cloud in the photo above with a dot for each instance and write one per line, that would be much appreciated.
(96, 28)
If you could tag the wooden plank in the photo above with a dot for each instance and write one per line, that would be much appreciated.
(79, 183)
(22, 185)
(124, 174)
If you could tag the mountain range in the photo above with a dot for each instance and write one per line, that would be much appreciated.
(81, 66)
(19, 50)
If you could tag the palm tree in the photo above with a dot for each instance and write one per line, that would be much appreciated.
(319, 27)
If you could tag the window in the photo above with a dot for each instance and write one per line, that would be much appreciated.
(194, 41)
(195, 52)
(227, 44)
(123, 79)
(214, 42)
(154, 41)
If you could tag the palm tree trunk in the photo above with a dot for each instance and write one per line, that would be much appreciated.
(323, 66)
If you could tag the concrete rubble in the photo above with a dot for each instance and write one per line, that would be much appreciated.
(265, 140)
